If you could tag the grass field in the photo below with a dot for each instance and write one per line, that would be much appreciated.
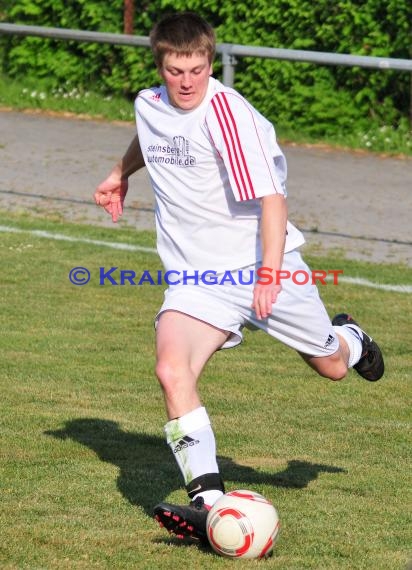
(83, 458)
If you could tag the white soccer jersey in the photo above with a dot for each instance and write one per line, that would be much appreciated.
(209, 166)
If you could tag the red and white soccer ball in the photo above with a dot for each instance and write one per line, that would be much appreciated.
(242, 524)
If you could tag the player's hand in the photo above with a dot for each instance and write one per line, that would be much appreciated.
(110, 194)
(264, 296)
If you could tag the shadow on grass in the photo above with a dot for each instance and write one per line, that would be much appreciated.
(148, 472)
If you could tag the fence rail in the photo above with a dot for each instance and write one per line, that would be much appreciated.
(228, 52)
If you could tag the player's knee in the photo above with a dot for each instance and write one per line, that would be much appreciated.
(337, 371)
(334, 369)
(170, 375)
(165, 373)
(337, 375)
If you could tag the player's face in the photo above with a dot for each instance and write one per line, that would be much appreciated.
(186, 79)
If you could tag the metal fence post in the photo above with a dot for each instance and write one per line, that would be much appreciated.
(228, 63)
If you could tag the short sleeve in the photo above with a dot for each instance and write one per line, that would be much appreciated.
(246, 142)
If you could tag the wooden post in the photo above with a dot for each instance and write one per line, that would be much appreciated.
(128, 17)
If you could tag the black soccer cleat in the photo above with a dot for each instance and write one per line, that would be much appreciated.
(371, 365)
(184, 521)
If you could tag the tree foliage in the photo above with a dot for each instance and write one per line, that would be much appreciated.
(316, 99)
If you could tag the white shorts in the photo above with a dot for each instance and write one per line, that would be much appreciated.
(298, 319)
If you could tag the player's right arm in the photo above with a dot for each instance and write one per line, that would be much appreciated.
(110, 193)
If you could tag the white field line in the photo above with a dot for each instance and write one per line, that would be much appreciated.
(128, 247)
(366, 283)
(61, 237)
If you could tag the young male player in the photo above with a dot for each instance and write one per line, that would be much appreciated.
(219, 177)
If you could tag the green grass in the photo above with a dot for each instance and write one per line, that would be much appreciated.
(68, 98)
(83, 458)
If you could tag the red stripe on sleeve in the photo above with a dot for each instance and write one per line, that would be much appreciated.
(240, 150)
(236, 157)
(228, 148)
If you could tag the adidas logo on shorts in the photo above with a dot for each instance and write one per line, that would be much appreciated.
(184, 443)
(331, 338)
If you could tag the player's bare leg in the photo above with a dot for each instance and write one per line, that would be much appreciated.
(184, 345)
(356, 349)
(334, 366)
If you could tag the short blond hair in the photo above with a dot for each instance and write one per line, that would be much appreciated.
(182, 33)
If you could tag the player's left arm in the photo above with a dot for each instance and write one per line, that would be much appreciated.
(246, 143)
(273, 235)
(256, 168)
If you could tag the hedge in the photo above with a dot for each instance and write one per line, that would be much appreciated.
(318, 100)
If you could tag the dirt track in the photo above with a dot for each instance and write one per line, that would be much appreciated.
(357, 202)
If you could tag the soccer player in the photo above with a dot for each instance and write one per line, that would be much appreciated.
(219, 178)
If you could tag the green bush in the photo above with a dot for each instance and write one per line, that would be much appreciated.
(317, 100)
(322, 99)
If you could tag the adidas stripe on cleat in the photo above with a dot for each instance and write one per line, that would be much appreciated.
(184, 521)
(371, 365)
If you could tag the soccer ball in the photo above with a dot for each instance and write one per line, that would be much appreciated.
(242, 524)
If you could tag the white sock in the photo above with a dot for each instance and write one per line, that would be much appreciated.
(210, 497)
(192, 442)
(353, 336)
